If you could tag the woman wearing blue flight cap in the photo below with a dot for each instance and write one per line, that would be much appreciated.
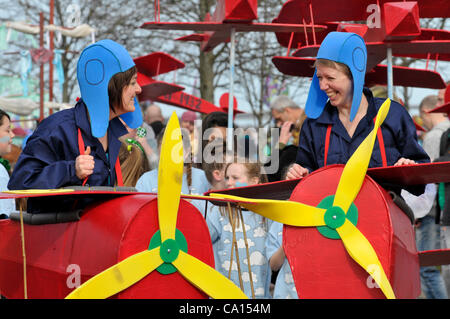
(80, 145)
(340, 113)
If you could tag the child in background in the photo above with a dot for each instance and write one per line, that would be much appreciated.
(194, 179)
(133, 161)
(284, 283)
(214, 166)
(6, 205)
(239, 237)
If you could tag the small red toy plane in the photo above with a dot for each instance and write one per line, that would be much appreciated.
(403, 76)
(398, 29)
(156, 63)
(228, 15)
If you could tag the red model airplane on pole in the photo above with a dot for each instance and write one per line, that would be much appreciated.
(389, 28)
(237, 15)
(156, 63)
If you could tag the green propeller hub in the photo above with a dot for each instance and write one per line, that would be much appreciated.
(335, 217)
(169, 250)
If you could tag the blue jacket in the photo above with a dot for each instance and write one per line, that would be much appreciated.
(399, 135)
(398, 129)
(48, 159)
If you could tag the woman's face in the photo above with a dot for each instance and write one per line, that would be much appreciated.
(236, 173)
(129, 92)
(336, 84)
(6, 136)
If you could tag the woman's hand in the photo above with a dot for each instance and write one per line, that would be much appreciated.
(84, 164)
(404, 161)
(296, 171)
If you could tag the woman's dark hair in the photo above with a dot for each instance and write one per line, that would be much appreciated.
(116, 85)
(2, 115)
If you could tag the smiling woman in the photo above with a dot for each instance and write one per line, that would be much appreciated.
(341, 112)
(122, 90)
(80, 145)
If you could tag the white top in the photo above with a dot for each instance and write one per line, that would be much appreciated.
(7, 206)
(148, 182)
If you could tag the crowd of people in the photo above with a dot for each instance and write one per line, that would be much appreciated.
(109, 139)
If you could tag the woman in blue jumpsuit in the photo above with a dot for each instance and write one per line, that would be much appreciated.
(340, 113)
(80, 146)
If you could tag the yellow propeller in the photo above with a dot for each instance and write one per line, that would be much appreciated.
(336, 216)
(168, 248)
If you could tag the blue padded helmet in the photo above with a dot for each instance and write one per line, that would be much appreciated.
(347, 48)
(97, 64)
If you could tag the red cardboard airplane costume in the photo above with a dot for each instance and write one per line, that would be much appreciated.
(344, 238)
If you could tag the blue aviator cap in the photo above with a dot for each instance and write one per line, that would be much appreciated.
(347, 48)
(97, 64)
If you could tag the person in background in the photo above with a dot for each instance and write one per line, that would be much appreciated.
(188, 123)
(214, 168)
(239, 237)
(444, 188)
(214, 127)
(427, 230)
(284, 283)
(7, 206)
(133, 161)
(289, 117)
(153, 117)
(194, 180)
(146, 142)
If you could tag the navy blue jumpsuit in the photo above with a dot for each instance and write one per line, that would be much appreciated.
(398, 129)
(48, 159)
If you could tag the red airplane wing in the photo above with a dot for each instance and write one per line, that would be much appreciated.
(300, 11)
(157, 63)
(377, 51)
(403, 76)
(415, 174)
(436, 257)
(198, 37)
(151, 89)
(189, 102)
(99, 192)
(280, 190)
(400, 175)
(442, 109)
(239, 27)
